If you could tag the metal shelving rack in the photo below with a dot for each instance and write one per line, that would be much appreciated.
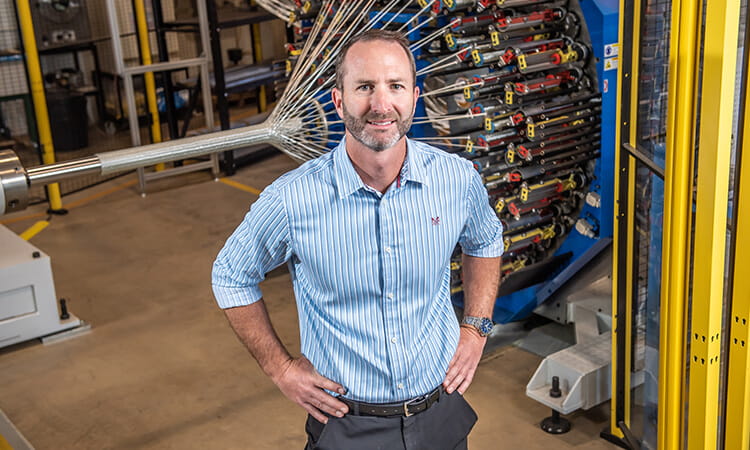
(219, 19)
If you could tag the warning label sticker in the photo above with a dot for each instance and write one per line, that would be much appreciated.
(611, 50)
(610, 64)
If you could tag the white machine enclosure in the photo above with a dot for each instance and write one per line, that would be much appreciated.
(584, 373)
(28, 304)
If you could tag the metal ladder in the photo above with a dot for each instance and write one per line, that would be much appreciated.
(128, 72)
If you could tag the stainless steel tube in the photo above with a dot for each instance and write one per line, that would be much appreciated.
(51, 173)
(149, 155)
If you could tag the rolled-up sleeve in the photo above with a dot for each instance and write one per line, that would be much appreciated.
(482, 235)
(258, 245)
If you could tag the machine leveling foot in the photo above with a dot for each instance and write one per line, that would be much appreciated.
(64, 315)
(555, 424)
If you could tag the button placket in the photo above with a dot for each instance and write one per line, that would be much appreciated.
(390, 306)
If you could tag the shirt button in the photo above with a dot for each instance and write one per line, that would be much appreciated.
(400, 385)
(387, 249)
(394, 339)
(390, 295)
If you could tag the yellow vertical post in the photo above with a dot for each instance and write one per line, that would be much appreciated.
(714, 153)
(40, 101)
(737, 432)
(629, 25)
(145, 46)
(258, 52)
(684, 48)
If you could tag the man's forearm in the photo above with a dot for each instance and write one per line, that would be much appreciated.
(295, 377)
(253, 327)
(481, 277)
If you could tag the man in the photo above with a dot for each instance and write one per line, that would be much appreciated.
(368, 231)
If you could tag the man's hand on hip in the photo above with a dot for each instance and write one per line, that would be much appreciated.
(302, 384)
(465, 361)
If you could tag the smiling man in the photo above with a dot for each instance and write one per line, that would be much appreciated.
(368, 231)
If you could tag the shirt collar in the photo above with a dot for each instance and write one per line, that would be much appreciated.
(348, 180)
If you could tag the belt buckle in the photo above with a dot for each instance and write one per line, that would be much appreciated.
(406, 406)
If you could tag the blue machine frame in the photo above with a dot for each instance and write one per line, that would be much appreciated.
(601, 20)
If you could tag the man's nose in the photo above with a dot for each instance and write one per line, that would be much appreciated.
(380, 102)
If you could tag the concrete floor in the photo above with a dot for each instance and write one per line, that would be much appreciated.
(161, 368)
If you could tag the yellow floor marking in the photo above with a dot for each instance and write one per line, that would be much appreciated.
(239, 186)
(22, 218)
(70, 205)
(34, 230)
(101, 194)
(4, 444)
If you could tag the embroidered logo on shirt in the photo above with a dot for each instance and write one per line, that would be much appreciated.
(436, 220)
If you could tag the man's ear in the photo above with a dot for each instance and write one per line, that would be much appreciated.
(416, 98)
(338, 101)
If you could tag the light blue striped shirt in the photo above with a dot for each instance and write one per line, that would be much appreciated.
(371, 272)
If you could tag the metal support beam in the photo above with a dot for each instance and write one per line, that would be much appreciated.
(141, 23)
(36, 83)
(622, 257)
(737, 430)
(166, 77)
(682, 98)
(714, 153)
(220, 88)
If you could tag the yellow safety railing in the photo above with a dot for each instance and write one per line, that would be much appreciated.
(692, 289)
(40, 101)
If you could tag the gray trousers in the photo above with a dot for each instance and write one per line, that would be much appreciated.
(445, 425)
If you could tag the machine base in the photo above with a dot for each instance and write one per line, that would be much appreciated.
(80, 330)
(28, 304)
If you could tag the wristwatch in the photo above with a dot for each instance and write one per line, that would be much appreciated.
(482, 324)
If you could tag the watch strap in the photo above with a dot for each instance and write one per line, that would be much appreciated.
(482, 324)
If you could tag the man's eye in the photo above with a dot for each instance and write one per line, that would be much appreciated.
(398, 86)
(363, 88)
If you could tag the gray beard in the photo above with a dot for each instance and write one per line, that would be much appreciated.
(356, 128)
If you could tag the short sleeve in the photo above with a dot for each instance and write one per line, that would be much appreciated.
(258, 245)
(482, 235)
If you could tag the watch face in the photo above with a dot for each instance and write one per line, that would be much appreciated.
(485, 326)
(482, 324)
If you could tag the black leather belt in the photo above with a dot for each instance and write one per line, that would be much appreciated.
(404, 409)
